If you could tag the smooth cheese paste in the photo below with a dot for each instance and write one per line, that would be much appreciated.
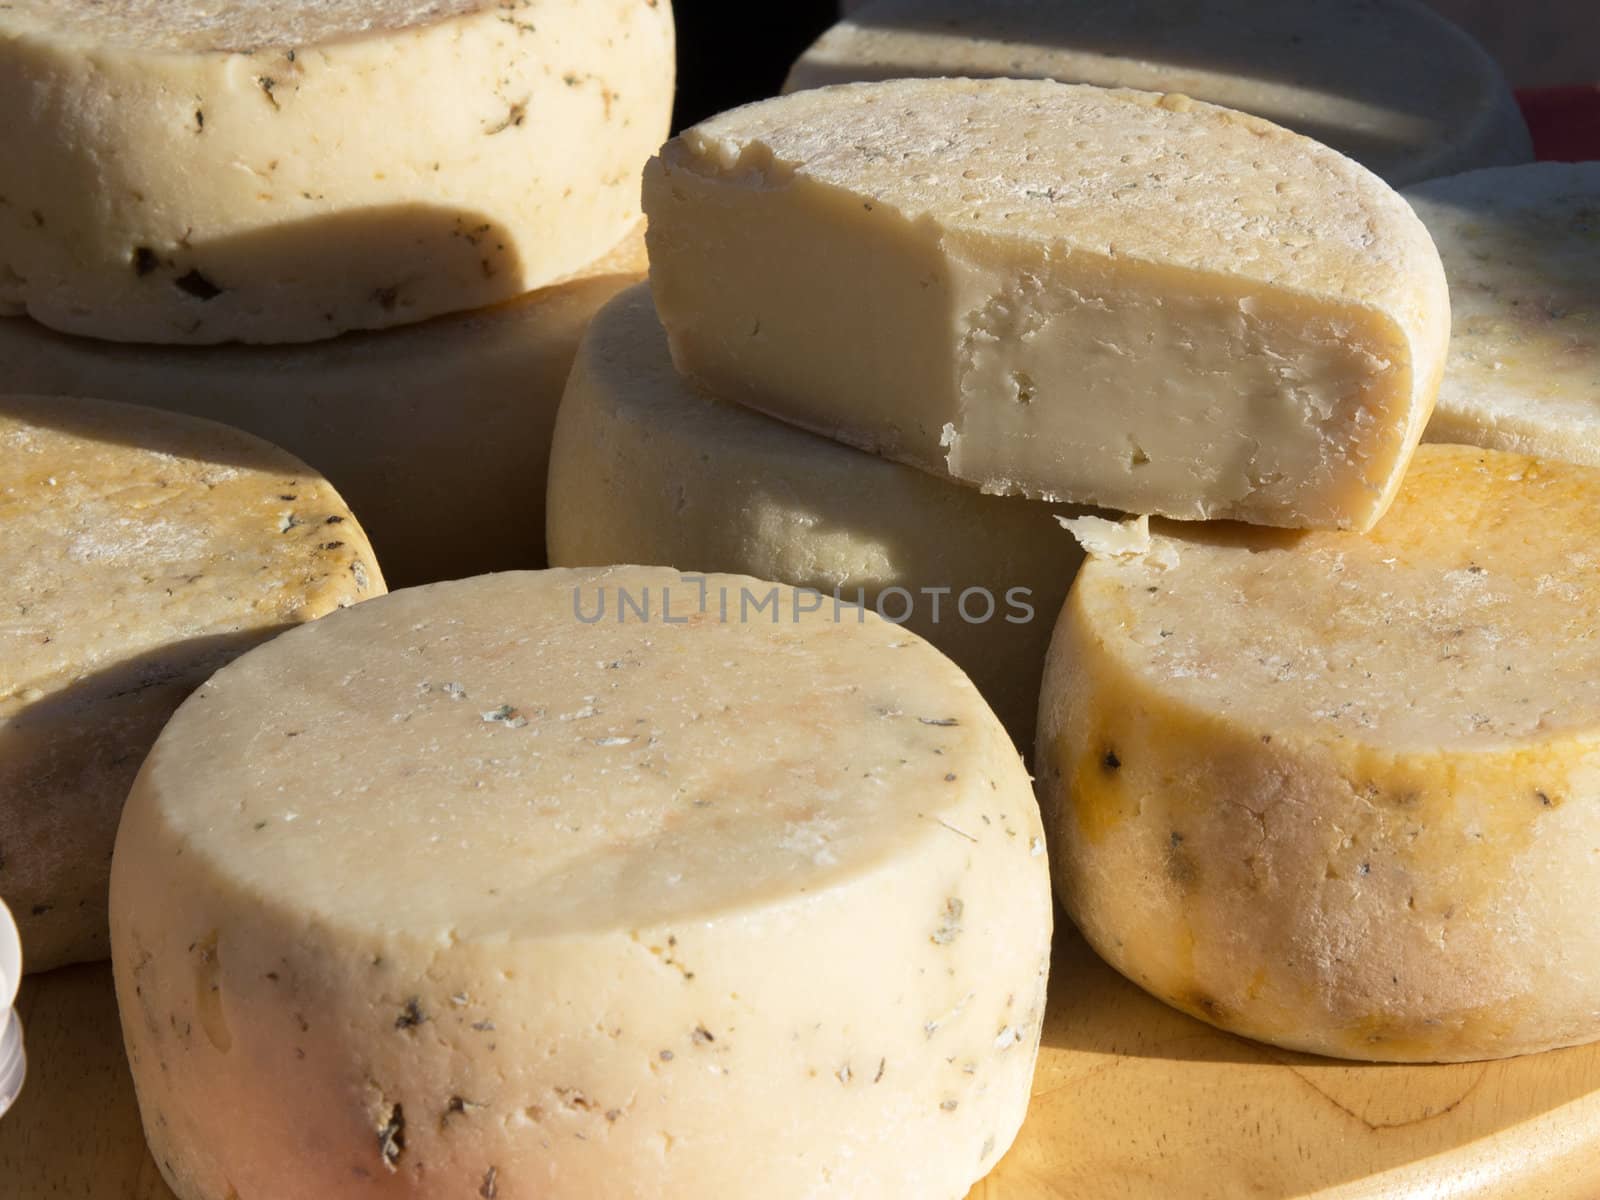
(589, 883)
(252, 171)
(1345, 74)
(1336, 792)
(1064, 292)
(1521, 249)
(141, 551)
(438, 434)
(647, 469)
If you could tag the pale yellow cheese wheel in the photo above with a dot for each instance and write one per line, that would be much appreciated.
(583, 884)
(1337, 792)
(288, 170)
(141, 550)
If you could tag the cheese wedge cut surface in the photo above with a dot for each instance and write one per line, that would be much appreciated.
(1061, 292)
(437, 434)
(646, 468)
(288, 170)
(1521, 249)
(1339, 793)
(141, 551)
(574, 884)
(1344, 74)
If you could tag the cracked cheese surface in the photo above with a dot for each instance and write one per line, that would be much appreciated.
(142, 551)
(646, 467)
(483, 884)
(1344, 74)
(1034, 272)
(285, 173)
(1521, 249)
(438, 434)
(1337, 792)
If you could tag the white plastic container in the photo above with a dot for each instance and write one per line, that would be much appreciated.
(13, 1063)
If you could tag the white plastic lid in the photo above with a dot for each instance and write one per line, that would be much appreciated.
(13, 1063)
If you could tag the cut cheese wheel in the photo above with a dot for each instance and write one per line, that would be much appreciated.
(578, 884)
(1339, 793)
(269, 171)
(645, 468)
(141, 551)
(1063, 292)
(437, 434)
(1521, 249)
(1344, 74)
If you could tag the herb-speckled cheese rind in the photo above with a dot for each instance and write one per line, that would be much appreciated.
(1339, 793)
(261, 172)
(141, 551)
(469, 891)
(437, 434)
(1345, 74)
(1064, 292)
(1521, 249)
(645, 468)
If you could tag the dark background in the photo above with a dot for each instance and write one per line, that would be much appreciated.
(730, 53)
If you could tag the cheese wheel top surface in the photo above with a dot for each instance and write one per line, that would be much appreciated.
(1462, 621)
(125, 529)
(1103, 170)
(1521, 249)
(1344, 74)
(234, 25)
(605, 773)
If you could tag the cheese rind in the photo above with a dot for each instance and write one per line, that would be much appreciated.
(1337, 792)
(267, 173)
(500, 884)
(1521, 249)
(1344, 74)
(142, 550)
(645, 468)
(1026, 286)
(437, 434)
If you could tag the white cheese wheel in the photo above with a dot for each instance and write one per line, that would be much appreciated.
(1345, 74)
(438, 434)
(1063, 292)
(141, 551)
(1521, 249)
(646, 469)
(1339, 793)
(287, 170)
(501, 887)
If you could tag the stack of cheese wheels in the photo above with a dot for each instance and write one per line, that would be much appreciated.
(645, 468)
(266, 172)
(1344, 74)
(142, 550)
(583, 884)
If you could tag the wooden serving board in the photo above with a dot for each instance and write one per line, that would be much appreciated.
(1132, 1101)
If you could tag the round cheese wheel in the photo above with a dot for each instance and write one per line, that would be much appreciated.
(647, 469)
(286, 170)
(1344, 74)
(1339, 793)
(583, 883)
(141, 551)
(438, 434)
(1521, 251)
